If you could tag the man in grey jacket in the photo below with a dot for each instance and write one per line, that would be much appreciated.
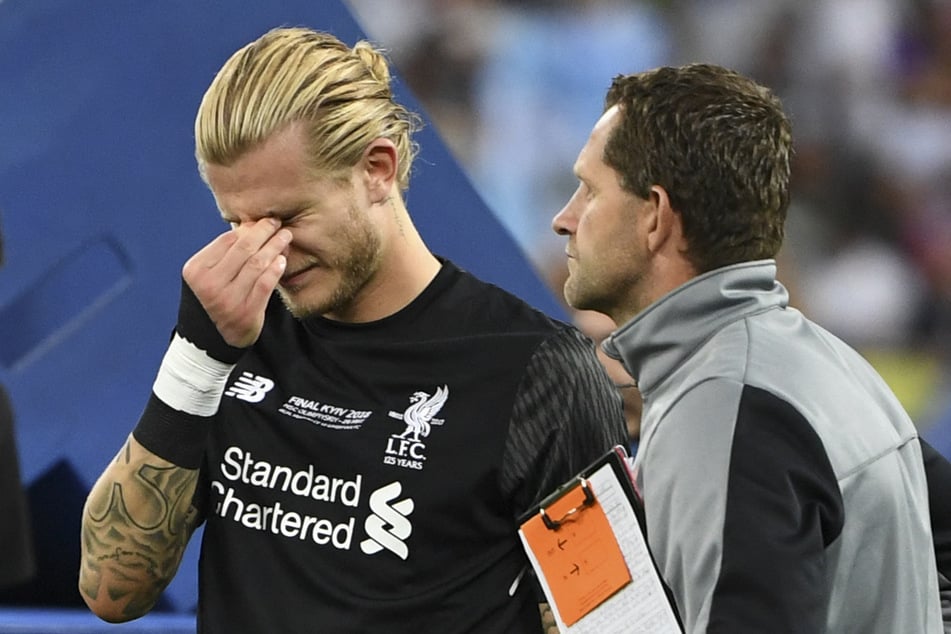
(784, 486)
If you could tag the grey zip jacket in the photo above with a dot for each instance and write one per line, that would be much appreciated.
(783, 484)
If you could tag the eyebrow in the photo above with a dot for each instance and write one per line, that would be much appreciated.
(280, 214)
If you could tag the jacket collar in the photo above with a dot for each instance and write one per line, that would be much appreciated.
(659, 339)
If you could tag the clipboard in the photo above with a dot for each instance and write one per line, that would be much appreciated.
(588, 547)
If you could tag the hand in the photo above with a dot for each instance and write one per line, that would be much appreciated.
(234, 276)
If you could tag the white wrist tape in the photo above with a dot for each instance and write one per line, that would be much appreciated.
(189, 380)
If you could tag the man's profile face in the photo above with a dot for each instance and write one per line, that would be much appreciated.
(606, 257)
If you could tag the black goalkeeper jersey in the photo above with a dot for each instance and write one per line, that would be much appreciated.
(368, 477)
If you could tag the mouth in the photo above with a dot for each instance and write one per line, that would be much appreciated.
(296, 278)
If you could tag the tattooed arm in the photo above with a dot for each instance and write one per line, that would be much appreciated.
(135, 526)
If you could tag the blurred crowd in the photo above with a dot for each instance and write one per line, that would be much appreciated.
(514, 87)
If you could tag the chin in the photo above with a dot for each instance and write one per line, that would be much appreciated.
(583, 301)
(575, 297)
(292, 301)
(302, 306)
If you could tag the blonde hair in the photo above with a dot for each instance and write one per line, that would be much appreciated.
(288, 75)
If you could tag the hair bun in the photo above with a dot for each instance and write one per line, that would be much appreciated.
(375, 61)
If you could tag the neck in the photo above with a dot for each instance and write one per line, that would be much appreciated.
(411, 266)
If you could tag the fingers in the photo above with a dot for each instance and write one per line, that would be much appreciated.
(249, 248)
(263, 284)
(259, 268)
(228, 253)
(235, 274)
(239, 255)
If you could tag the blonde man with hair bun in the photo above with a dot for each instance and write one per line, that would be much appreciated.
(357, 422)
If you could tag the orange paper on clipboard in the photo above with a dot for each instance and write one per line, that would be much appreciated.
(577, 552)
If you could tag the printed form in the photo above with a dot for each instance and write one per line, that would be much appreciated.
(636, 603)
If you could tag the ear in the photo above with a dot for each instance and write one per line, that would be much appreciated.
(664, 223)
(380, 162)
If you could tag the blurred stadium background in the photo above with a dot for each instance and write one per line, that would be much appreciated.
(514, 87)
(100, 202)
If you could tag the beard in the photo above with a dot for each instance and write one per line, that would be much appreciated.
(355, 259)
(606, 290)
(581, 294)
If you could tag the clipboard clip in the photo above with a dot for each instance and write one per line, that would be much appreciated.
(554, 524)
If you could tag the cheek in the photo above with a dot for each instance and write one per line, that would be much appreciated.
(608, 244)
(305, 243)
(314, 234)
(597, 228)
(587, 222)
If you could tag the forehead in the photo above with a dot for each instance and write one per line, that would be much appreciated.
(591, 156)
(269, 179)
(280, 157)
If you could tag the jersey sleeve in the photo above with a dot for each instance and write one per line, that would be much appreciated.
(783, 510)
(566, 414)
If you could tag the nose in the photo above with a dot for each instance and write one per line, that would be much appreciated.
(564, 222)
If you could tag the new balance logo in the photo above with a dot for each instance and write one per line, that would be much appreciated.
(250, 387)
(388, 515)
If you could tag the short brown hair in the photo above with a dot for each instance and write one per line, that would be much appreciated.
(719, 144)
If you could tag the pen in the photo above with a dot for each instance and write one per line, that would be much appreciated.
(518, 580)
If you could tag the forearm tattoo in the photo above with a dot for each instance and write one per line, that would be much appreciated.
(136, 530)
